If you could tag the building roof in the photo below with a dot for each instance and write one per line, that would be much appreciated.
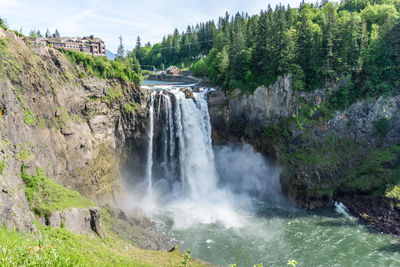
(173, 68)
(57, 39)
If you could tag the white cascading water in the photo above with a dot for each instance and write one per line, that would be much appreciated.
(150, 148)
(181, 174)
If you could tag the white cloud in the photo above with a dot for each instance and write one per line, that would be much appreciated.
(151, 19)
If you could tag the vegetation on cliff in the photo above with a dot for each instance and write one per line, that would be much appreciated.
(103, 67)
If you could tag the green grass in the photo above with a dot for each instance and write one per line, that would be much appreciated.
(114, 93)
(131, 107)
(8, 63)
(3, 166)
(59, 247)
(62, 120)
(24, 154)
(30, 118)
(46, 196)
(42, 123)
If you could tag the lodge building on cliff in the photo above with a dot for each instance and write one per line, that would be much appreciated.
(88, 45)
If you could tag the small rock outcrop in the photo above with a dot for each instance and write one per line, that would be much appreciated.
(188, 93)
(136, 227)
(80, 221)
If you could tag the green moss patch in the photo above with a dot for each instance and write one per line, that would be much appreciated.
(377, 174)
(3, 166)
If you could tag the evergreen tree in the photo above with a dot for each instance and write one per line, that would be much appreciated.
(329, 33)
(237, 58)
(3, 23)
(57, 34)
(33, 33)
(121, 49)
(138, 43)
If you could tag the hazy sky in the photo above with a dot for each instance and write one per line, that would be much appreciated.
(107, 19)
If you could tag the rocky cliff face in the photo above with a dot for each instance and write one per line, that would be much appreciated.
(324, 154)
(232, 115)
(359, 121)
(56, 117)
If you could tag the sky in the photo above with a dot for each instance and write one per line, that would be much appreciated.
(108, 19)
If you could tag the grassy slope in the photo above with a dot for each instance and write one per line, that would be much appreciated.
(45, 196)
(59, 247)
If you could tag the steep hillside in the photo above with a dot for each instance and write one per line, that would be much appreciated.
(59, 118)
(67, 121)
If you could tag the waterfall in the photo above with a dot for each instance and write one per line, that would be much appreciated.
(181, 172)
(150, 148)
(183, 143)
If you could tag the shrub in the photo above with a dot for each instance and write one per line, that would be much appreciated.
(382, 127)
(131, 107)
(3, 24)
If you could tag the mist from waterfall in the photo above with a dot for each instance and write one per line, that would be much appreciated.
(186, 179)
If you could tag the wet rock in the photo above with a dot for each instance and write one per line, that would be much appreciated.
(379, 212)
(140, 218)
(188, 93)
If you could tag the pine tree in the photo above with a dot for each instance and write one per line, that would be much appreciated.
(57, 34)
(305, 43)
(138, 43)
(3, 23)
(329, 33)
(121, 49)
(236, 54)
(33, 33)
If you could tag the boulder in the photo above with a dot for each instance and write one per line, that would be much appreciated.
(188, 93)
(80, 221)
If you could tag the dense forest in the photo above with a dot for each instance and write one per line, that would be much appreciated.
(357, 41)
